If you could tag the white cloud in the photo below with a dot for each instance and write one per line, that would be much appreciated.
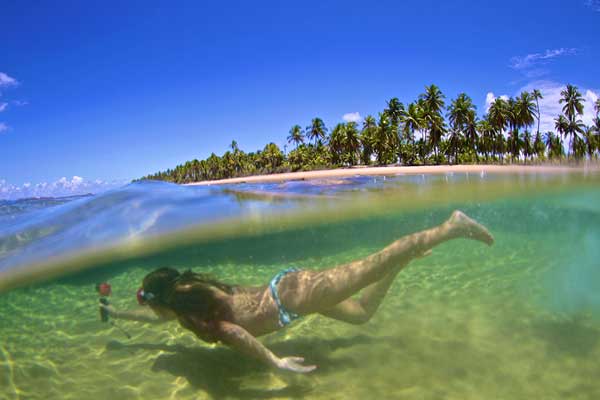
(61, 187)
(594, 4)
(6, 80)
(73, 183)
(490, 98)
(534, 59)
(591, 97)
(20, 102)
(550, 107)
(352, 117)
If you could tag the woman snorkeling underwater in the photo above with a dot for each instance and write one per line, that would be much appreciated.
(236, 315)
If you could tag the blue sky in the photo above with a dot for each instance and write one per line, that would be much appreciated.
(97, 92)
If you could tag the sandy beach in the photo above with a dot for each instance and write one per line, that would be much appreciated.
(392, 170)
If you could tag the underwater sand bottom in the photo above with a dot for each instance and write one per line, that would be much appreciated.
(460, 324)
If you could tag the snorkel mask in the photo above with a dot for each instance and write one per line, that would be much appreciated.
(143, 297)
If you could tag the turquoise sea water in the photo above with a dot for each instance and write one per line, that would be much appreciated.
(519, 320)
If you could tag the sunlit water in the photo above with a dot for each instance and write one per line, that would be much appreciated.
(519, 320)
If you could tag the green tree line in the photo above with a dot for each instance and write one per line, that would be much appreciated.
(428, 131)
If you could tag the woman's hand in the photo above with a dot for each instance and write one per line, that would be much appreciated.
(110, 310)
(294, 364)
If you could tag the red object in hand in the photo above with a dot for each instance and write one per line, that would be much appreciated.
(140, 297)
(104, 289)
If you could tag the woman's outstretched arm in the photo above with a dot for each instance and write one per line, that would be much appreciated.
(241, 340)
(141, 315)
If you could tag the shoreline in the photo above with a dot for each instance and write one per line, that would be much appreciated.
(397, 170)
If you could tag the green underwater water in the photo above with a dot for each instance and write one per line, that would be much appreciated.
(519, 320)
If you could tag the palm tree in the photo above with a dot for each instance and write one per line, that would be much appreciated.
(367, 137)
(351, 143)
(412, 121)
(561, 125)
(461, 115)
(589, 141)
(471, 131)
(573, 101)
(316, 131)
(579, 149)
(498, 114)
(337, 143)
(538, 146)
(394, 111)
(596, 126)
(432, 103)
(527, 145)
(433, 99)
(296, 135)
(454, 142)
(575, 128)
(382, 143)
(213, 166)
(548, 141)
(522, 115)
(537, 96)
(437, 129)
(228, 164)
(513, 123)
(271, 157)
(236, 157)
(458, 112)
(487, 135)
(526, 109)
(554, 145)
(573, 106)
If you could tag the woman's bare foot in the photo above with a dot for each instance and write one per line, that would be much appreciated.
(469, 228)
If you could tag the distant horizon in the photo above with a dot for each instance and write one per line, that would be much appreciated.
(342, 172)
(128, 95)
(49, 197)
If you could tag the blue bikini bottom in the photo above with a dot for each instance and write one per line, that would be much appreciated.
(285, 316)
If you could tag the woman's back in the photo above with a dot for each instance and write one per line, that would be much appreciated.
(253, 308)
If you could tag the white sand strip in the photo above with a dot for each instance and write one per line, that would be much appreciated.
(379, 171)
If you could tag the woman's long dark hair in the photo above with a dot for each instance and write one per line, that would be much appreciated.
(186, 293)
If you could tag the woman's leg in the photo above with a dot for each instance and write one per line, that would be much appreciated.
(360, 311)
(307, 292)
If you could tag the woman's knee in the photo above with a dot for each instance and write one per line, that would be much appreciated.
(361, 319)
(349, 318)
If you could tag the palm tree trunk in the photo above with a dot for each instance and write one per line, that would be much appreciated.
(572, 144)
(537, 102)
